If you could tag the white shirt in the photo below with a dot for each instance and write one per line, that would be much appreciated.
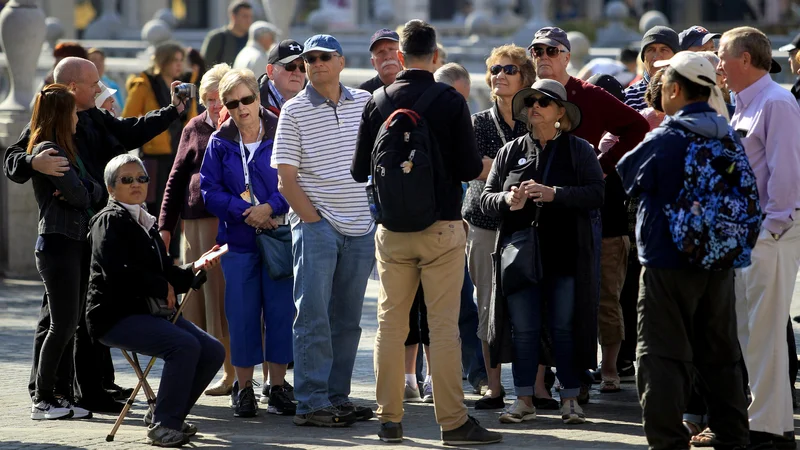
(141, 216)
(253, 57)
(319, 138)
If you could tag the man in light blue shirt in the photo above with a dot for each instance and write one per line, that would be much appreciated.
(766, 119)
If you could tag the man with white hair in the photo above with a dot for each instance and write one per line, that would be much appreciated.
(454, 74)
(99, 137)
(285, 77)
(383, 47)
(253, 56)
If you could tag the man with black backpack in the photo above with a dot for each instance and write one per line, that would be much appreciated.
(414, 160)
(697, 221)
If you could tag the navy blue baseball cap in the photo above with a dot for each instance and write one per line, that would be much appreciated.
(384, 34)
(322, 43)
(695, 37)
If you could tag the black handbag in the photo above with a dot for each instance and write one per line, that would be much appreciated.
(520, 255)
(158, 307)
(276, 251)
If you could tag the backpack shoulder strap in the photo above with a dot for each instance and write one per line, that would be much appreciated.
(428, 97)
(383, 102)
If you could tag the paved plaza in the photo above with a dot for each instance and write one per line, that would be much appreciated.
(614, 419)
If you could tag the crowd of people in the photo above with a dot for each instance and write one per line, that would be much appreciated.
(575, 208)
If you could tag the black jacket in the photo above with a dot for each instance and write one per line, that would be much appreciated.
(449, 120)
(372, 84)
(67, 214)
(99, 138)
(128, 266)
(586, 197)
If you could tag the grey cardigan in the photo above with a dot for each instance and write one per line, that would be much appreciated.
(67, 214)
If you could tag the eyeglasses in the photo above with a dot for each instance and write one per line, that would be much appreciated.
(142, 179)
(552, 52)
(291, 67)
(543, 101)
(233, 104)
(325, 57)
(509, 69)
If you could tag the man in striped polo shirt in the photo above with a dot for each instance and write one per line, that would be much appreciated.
(659, 43)
(332, 234)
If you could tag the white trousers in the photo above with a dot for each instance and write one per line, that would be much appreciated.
(763, 297)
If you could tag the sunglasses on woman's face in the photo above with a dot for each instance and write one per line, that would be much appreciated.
(543, 101)
(509, 69)
(291, 67)
(552, 52)
(325, 57)
(142, 179)
(233, 104)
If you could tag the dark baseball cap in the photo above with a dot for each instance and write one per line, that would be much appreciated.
(608, 84)
(384, 34)
(775, 67)
(696, 36)
(285, 52)
(552, 36)
(660, 35)
(794, 45)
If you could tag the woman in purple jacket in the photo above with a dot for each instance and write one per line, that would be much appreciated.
(241, 189)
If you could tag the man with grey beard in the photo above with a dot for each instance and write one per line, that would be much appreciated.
(383, 47)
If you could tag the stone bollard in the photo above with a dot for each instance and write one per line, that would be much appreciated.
(616, 33)
(54, 31)
(108, 25)
(580, 51)
(22, 32)
(281, 13)
(166, 15)
(478, 24)
(652, 19)
(540, 18)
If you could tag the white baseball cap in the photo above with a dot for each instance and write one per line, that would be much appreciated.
(694, 67)
(104, 94)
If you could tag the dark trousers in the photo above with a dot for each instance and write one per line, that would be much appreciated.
(89, 367)
(687, 325)
(191, 357)
(472, 362)
(628, 300)
(63, 264)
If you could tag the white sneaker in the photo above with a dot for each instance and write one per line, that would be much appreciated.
(411, 394)
(77, 411)
(427, 392)
(518, 412)
(572, 413)
(44, 410)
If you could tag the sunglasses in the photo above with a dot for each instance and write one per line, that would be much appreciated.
(509, 69)
(325, 57)
(543, 101)
(233, 104)
(291, 67)
(552, 52)
(140, 179)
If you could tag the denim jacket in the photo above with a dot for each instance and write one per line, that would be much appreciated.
(67, 214)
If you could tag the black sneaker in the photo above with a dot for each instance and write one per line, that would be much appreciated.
(627, 372)
(246, 405)
(105, 405)
(361, 412)
(583, 395)
(279, 402)
(118, 392)
(328, 417)
(470, 433)
(391, 432)
(234, 395)
(289, 389)
(491, 402)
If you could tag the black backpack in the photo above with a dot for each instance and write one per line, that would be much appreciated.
(406, 165)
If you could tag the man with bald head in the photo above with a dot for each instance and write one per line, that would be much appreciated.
(99, 137)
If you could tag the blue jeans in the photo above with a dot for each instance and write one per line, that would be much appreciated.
(525, 312)
(471, 351)
(191, 357)
(251, 294)
(330, 277)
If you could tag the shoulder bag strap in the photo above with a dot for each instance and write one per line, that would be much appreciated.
(544, 181)
(497, 125)
(383, 102)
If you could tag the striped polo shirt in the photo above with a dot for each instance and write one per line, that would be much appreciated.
(319, 138)
(634, 95)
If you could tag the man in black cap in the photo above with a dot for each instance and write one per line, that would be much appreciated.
(697, 39)
(659, 43)
(285, 77)
(383, 47)
(794, 65)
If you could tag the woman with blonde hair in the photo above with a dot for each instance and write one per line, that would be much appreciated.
(508, 70)
(148, 91)
(183, 200)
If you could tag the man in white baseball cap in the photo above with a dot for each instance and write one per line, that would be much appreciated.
(105, 99)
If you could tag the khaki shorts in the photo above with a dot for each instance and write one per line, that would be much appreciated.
(613, 267)
(480, 246)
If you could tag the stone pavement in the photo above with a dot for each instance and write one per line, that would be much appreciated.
(614, 419)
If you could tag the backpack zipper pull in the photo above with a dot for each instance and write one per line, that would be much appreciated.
(408, 165)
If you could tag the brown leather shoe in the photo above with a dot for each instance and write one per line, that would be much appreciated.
(219, 389)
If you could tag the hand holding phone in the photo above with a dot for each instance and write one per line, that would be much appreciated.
(211, 257)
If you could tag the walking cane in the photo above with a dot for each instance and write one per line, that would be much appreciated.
(199, 279)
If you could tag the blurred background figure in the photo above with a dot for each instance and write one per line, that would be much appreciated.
(223, 44)
(262, 36)
(64, 50)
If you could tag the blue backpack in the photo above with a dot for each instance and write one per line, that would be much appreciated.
(716, 219)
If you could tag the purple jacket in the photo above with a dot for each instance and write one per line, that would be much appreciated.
(222, 182)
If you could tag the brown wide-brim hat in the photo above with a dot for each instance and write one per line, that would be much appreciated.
(552, 89)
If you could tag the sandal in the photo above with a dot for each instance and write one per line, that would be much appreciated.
(610, 386)
(705, 438)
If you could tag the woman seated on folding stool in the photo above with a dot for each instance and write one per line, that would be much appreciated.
(129, 269)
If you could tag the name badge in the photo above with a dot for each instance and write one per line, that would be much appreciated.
(522, 161)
